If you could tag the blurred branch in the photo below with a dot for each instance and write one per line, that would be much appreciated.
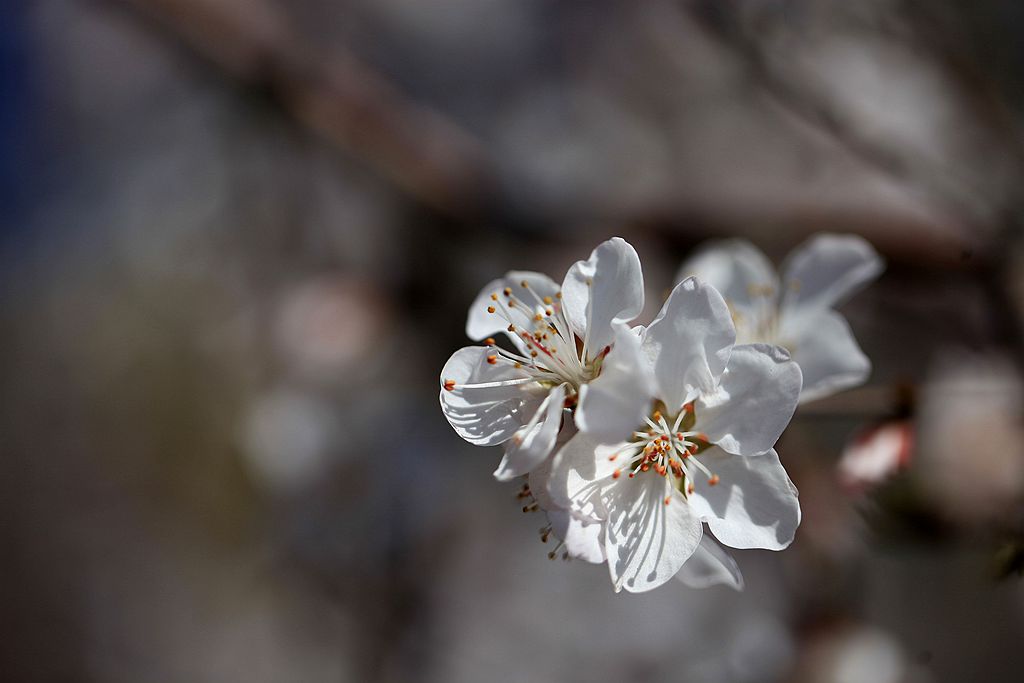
(720, 20)
(344, 100)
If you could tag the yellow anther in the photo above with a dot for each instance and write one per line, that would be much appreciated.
(494, 297)
(525, 284)
(548, 301)
(507, 291)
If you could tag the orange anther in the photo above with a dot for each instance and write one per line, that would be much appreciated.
(632, 474)
(548, 301)
(689, 489)
(489, 341)
(656, 416)
(490, 309)
(449, 384)
(494, 297)
(688, 407)
(507, 291)
(713, 480)
(492, 359)
(668, 499)
(616, 474)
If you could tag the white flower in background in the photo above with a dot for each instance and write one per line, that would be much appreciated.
(567, 340)
(703, 454)
(970, 459)
(797, 313)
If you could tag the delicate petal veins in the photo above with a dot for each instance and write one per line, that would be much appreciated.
(821, 342)
(532, 444)
(580, 471)
(740, 272)
(612, 405)
(608, 287)
(710, 566)
(754, 401)
(646, 539)
(753, 505)
(827, 269)
(689, 343)
(481, 324)
(583, 539)
(486, 403)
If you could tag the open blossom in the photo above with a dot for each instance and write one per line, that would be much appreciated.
(702, 455)
(798, 312)
(566, 339)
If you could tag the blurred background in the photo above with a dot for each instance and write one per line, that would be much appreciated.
(238, 242)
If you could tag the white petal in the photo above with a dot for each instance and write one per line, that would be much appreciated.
(646, 540)
(827, 269)
(828, 355)
(754, 504)
(710, 566)
(689, 343)
(578, 473)
(741, 273)
(480, 324)
(614, 404)
(532, 444)
(583, 539)
(488, 414)
(608, 287)
(754, 401)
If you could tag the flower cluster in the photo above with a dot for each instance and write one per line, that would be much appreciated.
(635, 439)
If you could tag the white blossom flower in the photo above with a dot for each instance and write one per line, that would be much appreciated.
(567, 340)
(703, 455)
(798, 313)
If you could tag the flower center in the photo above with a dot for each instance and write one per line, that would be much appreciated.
(550, 352)
(666, 451)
